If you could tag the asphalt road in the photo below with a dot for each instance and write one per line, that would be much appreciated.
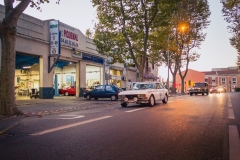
(186, 128)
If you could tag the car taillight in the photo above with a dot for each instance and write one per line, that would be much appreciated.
(118, 92)
(86, 90)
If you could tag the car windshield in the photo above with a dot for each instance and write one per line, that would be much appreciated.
(138, 86)
(199, 84)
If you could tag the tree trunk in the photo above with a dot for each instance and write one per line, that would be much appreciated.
(7, 73)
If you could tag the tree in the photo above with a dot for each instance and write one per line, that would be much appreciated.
(231, 12)
(184, 33)
(8, 39)
(124, 27)
(196, 14)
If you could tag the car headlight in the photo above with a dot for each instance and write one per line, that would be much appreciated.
(141, 96)
(220, 89)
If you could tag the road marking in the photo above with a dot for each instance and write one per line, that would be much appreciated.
(69, 126)
(71, 116)
(234, 143)
(135, 110)
(231, 114)
(229, 104)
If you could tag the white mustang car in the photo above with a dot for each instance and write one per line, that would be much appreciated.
(144, 93)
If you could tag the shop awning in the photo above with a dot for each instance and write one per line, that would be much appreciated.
(150, 76)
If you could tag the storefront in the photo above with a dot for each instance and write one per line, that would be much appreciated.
(116, 76)
(26, 74)
(64, 75)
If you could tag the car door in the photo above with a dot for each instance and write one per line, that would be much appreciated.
(110, 90)
(158, 91)
(98, 91)
(72, 90)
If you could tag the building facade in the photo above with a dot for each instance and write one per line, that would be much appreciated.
(51, 55)
(191, 77)
(229, 78)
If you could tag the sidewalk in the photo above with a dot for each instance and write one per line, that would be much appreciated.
(40, 107)
(61, 104)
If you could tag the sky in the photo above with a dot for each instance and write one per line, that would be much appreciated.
(216, 51)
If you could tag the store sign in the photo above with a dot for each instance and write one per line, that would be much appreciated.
(76, 54)
(69, 36)
(92, 58)
(115, 77)
(54, 37)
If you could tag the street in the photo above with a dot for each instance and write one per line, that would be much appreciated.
(186, 128)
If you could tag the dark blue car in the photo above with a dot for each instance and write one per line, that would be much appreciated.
(103, 91)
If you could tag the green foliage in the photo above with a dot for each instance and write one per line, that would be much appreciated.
(124, 27)
(231, 13)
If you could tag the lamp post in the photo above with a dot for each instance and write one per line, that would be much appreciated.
(168, 66)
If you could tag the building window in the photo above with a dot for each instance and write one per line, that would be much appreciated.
(223, 80)
(234, 80)
(213, 80)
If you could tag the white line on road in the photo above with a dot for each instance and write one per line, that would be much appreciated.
(231, 114)
(68, 126)
(234, 143)
(71, 116)
(136, 110)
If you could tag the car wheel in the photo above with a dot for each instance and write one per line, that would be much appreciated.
(124, 104)
(207, 93)
(96, 98)
(203, 93)
(165, 100)
(151, 101)
(66, 93)
(113, 97)
(190, 94)
(88, 97)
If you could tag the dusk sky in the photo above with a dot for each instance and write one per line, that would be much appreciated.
(216, 51)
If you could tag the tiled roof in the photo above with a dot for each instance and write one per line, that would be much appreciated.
(228, 72)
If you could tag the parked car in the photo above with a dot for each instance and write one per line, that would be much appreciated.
(199, 88)
(103, 91)
(144, 93)
(68, 91)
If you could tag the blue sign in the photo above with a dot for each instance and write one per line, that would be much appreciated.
(92, 58)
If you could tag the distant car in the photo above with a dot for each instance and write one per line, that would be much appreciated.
(221, 89)
(144, 93)
(199, 88)
(103, 91)
(214, 90)
(68, 91)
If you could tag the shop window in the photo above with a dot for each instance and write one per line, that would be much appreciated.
(119, 73)
(234, 80)
(112, 72)
(223, 80)
(119, 83)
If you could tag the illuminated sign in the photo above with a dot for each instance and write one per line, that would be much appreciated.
(54, 37)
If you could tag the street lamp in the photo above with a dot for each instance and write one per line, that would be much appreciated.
(168, 66)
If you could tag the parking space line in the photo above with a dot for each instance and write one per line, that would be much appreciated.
(69, 126)
(136, 110)
(234, 143)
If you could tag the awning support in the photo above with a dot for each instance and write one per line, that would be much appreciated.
(55, 61)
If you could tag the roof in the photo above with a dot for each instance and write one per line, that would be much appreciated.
(222, 72)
